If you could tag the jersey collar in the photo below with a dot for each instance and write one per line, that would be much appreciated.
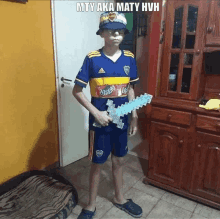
(103, 55)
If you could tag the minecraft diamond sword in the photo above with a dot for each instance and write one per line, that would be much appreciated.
(124, 109)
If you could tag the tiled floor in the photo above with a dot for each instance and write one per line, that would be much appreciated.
(155, 202)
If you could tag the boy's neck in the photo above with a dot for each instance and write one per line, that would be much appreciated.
(111, 50)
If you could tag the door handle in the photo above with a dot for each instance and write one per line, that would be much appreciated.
(209, 29)
(64, 79)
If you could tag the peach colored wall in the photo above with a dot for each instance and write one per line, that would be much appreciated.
(28, 112)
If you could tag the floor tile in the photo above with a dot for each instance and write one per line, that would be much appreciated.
(137, 163)
(206, 211)
(72, 216)
(70, 170)
(83, 162)
(106, 190)
(145, 201)
(81, 192)
(81, 179)
(77, 210)
(197, 216)
(115, 213)
(179, 201)
(130, 177)
(149, 189)
(164, 209)
(215, 213)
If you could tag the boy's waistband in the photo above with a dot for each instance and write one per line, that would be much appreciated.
(110, 91)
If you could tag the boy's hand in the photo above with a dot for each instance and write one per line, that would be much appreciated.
(103, 118)
(133, 126)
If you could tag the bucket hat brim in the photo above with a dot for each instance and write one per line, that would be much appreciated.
(113, 26)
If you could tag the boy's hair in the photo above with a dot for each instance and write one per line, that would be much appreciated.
(112, 20)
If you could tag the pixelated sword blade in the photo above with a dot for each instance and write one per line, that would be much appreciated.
(126, 108)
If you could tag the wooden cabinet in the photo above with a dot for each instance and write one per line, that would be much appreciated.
(166, 153)
(184, 144)
(183, 47)
(213, 26)
(206, 170)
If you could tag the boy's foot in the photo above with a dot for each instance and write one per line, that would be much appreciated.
(131, 208)
(87, 214)
(90, 208)
(119, 201)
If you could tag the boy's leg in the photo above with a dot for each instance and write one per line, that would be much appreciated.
(93, 185)
(120, 149)
(117, 171)
(101, 151)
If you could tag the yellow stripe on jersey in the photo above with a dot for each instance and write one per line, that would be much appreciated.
(128, 53)
(95, 55)
(95, 51)
(94, 82)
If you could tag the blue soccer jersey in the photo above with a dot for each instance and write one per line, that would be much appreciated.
(108, 80)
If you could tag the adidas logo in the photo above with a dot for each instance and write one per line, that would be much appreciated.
(101, 70)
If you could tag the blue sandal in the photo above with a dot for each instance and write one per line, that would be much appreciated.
(86, 214)
(131, 208)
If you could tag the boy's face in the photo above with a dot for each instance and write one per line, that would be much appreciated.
(112, 37)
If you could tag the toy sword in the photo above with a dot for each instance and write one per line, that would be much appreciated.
(124, 109)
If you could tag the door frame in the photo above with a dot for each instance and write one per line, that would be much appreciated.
(57, 81)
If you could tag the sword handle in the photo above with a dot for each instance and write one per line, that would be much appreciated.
(96, 124)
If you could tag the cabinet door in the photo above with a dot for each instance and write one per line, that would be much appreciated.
(166, 153)
(213, 28)
(183, 47)
(206, 170)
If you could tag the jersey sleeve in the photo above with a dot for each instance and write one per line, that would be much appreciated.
(134, 79)
(84, 73)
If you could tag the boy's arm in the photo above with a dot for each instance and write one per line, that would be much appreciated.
(134, 118)
(131, 96)
(82, 99)
(101, 117)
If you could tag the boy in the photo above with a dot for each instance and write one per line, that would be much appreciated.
(111, 74)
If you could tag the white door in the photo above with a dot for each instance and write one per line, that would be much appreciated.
(74, 35)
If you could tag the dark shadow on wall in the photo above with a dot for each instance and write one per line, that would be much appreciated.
(45, 154)
(17, 1)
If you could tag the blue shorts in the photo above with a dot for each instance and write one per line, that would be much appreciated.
(104, 143)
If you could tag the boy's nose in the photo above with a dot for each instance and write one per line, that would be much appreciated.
(116, 32)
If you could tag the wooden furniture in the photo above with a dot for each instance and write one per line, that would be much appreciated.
(184, 150)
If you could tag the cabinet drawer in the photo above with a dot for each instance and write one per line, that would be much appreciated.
(171, 115)
(208, 123)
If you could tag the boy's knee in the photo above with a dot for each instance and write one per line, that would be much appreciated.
(117, 161)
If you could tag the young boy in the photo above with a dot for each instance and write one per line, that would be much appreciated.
(111, 74)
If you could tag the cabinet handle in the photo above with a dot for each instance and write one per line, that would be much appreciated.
(209, 29)
(216, 148)
(199, 145)
(181, 142)
(169, 116)
(218, 125)
(197, 52)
